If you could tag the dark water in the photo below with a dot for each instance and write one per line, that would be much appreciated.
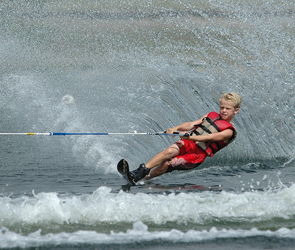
(144, 66)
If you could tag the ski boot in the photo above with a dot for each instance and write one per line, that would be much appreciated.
(140, 173)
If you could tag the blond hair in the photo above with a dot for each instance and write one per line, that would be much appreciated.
(233, 97)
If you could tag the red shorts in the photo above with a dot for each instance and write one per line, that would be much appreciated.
(190, 156)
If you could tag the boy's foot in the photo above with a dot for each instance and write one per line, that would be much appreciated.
(139, 173)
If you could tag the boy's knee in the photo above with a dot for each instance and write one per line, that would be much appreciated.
(172, 150)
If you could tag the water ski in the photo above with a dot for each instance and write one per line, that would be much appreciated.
(123, 169)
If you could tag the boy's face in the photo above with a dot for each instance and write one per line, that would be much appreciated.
(227, 110)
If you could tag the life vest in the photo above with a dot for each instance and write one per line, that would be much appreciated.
(213, 124)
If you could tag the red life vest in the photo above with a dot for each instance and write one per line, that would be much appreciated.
(213, 124)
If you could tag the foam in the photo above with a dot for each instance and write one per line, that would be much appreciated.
(105, 206)
(139, 233)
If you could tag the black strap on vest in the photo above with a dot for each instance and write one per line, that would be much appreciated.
(218, 146)
(204, 128)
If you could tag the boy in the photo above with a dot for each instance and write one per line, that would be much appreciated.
(207, 136)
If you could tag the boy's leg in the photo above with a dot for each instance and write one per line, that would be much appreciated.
(163, 156)
(157, 171)
(188, 157)
(159, 159)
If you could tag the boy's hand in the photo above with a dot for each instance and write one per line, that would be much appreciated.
(170, 131)
(185, 136)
